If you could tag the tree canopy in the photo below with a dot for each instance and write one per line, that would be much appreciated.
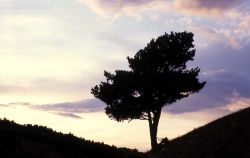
(158, 77)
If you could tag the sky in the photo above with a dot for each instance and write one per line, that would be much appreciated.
(53, 52)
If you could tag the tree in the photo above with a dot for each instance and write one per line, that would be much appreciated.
(158, 77)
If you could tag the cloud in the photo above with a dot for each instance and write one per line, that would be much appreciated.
(217, 57)
(43, 89)
(234, 31)
(65, 109)
(227, 73)
(225, 70)
(238, 104)
(242, 32)
(71, 115)
(206, 32)
(88, 105)
(244, 26)
(115, 8)
(131, 8)
(205, 7)
(20, 103)
(220, 4)
(224, 90)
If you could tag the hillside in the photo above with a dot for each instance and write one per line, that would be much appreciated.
(41, 142)
(227, 137)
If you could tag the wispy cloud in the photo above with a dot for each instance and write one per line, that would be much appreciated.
(71, 115)
(116, 8)
(238, 104)
(62, 53)
(224, 90)
(190, 7)
(233, 16)
(88, 105)
(206, 32)
(65, 109)
(207, 8)
(72, 109)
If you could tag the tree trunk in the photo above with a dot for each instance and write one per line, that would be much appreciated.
(153, 128)
(153, 137)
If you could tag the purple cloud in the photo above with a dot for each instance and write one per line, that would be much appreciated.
(65, 109)
(221, 89)
(114, 8)
(221, 4)
(194, 7)
(88, 105)
(205, 7)
(71, 115)
(225, 69)
(227, 73)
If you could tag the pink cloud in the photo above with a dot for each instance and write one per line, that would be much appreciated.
(133, 7)
(239, 35)
(243, 27)
(206, 31)
(206, 7)
(239, 104)
(115, 8)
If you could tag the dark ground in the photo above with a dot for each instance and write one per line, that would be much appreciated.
(228, 137)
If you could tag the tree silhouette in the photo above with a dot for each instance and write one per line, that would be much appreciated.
(158, 77)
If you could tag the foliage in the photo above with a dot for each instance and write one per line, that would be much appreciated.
(158, 77)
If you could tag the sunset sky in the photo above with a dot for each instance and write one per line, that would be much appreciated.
(53, 52)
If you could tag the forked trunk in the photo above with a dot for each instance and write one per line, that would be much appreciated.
(153, 121)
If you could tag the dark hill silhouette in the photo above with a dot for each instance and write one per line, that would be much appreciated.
(227, 137)
(32, 141)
